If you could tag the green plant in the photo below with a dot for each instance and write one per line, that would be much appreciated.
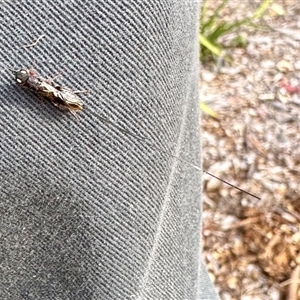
(212, 29)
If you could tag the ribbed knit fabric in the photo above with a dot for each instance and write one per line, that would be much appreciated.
(88, 211)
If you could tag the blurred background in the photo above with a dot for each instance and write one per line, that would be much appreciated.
(250, 103)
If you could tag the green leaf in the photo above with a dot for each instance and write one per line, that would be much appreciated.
(207, 110)
(210, 46)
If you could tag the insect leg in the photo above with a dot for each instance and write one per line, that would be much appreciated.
(74, 114)
(83, 91)
(50, 80)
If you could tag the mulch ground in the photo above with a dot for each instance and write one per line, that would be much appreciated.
(252, 246)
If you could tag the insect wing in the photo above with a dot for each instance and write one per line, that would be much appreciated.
(46, 90)
(70, 100)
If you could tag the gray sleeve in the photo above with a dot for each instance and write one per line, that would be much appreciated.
(88, 211)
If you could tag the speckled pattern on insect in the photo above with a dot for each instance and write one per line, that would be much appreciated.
(60, 96)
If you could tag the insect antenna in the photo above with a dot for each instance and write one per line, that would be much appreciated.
(146, 142)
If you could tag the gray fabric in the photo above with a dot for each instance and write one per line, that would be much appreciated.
(88, 211)
(206, 290)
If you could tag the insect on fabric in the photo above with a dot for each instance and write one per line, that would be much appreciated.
(67, 99)
(62, 97)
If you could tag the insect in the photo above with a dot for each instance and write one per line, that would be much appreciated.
(60, 96)
(67, 99)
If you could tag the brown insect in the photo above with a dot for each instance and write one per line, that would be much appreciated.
(60, 96)
(67, 99)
